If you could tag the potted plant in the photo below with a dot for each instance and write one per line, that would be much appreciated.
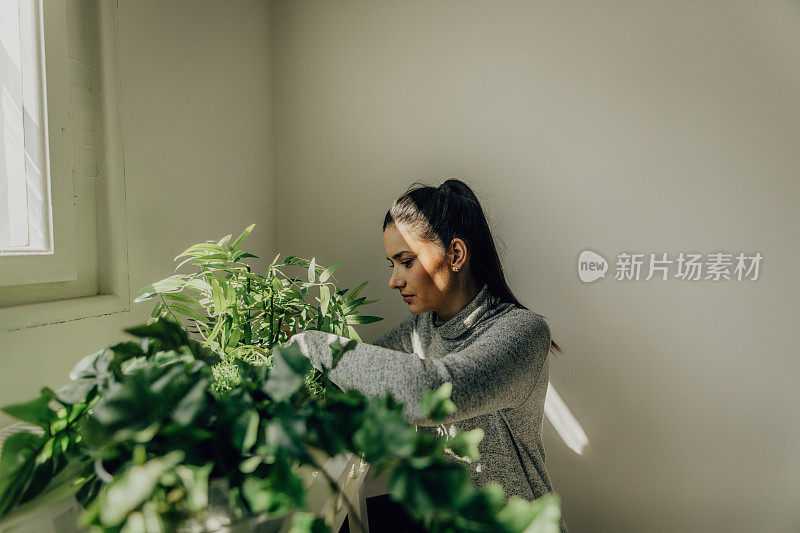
(241, 314)
(168, 432)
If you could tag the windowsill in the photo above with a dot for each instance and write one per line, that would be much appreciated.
(58, 311)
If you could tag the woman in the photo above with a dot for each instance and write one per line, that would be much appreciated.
(465, 327)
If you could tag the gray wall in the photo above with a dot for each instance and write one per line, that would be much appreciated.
(616, 126)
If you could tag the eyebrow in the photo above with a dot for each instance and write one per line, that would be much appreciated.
(398, 254)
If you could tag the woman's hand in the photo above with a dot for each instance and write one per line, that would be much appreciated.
(289, 333)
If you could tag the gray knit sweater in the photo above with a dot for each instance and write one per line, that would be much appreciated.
(495, 356)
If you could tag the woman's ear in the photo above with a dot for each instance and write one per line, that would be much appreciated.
(459, 253)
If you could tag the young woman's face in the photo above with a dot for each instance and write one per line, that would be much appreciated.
(418, 269)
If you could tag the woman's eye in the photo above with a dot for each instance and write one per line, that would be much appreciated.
(406, 263)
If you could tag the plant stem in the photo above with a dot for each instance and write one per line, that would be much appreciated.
(168, 309)
(246, 326)
(278, 330)
(271, 318)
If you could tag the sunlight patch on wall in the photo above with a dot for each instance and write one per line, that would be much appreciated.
(564, 423)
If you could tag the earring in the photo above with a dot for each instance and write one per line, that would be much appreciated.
(455, 269)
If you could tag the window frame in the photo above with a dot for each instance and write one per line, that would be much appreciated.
(108, 212)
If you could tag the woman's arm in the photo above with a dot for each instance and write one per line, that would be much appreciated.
(399, 337)
(497, 371)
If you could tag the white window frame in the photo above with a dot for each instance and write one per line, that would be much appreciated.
(18, 273)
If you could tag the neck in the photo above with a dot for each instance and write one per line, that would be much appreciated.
(459, 301)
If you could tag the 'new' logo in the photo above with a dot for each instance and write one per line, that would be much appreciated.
(591, 266)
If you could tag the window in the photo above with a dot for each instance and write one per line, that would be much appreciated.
(60, 164)
(25, 222)
(26, 208)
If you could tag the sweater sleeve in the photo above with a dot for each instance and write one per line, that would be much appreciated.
(399, 337)
(496, 371)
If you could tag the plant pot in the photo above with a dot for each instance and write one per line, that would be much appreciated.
(348, 470)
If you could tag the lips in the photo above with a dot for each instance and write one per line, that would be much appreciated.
(407, 297)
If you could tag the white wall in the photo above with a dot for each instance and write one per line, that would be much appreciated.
(617, 126)
(196, 116)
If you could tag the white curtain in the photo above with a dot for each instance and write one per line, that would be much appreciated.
(24, 181)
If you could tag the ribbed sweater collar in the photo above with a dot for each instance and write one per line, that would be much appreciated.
(464, 319)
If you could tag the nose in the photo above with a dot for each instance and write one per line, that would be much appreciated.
(395, 282)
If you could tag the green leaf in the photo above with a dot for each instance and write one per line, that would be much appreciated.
(17, 463)
(170, 284)
(245, 430)
(312, 271)
(180, 297)
(277, 286)
(129, 490)
(277, 492)
(230, 294)
(294, 260)
(187, 311)
(539, 516)
(248, 465)
(363, 319)
(76, 393)
(225, 240)
(199, 285)
(217, 258)
(339, 349)
(352, 304)
(238, 256)
(144, 296)
(436, 405)
(240, 239)
(328, 271)
(171, 334)
(236, 336)
(262, 498)
(352, 334)
(188, 259)
(218, 295)
(356, 291)
(86, 366)
(465, 443)
(35, 411)
(306, 522)
(214, 332)
(200, 249)
(324, 298)
(195, 480)
(286, 376)
(157, 312)
(191, 404)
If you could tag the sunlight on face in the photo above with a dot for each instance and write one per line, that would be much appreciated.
(418, 268)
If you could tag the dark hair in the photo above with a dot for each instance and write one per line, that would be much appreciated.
(451, 210)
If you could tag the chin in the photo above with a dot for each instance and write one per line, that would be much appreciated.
(415, 310)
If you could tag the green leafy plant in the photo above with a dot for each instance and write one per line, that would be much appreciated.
(149, 427)
(240, 314)
(141, 436)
